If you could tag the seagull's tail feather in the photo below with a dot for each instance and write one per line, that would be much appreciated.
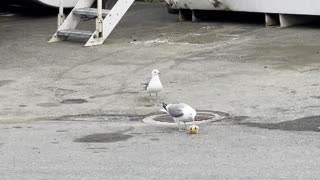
(145, 85)
(164, 105)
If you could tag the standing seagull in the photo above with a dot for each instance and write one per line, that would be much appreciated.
(154, 85)
(180, 112)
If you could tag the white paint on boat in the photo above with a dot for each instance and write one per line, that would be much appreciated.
(299, 7)
(55, 3)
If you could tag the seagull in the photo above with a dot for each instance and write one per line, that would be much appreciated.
(154, 85)
(180, 112)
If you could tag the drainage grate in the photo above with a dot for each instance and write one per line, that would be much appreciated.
(203, 116)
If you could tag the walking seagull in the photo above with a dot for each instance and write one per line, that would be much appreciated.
(180, 112)
(154, 85)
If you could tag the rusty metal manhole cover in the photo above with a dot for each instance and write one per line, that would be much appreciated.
(203, 116)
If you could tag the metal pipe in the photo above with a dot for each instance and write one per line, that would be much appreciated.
(61, 16)
(61, 7)
(99, 6)
(99, 21)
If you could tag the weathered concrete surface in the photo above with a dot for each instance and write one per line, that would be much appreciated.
(258, 75)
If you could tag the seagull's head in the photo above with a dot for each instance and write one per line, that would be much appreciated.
(155, 72)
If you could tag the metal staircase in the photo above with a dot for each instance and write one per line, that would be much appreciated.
(106, 21)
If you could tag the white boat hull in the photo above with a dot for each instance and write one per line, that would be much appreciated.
(298, 7)
(55, 3)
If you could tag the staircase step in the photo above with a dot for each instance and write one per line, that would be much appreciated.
(90, 12)
(74, 33)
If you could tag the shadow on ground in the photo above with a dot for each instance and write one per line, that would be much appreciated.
(311, 123)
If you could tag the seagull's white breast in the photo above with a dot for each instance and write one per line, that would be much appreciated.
(154, 85)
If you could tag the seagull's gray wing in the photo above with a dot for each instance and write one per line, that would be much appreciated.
(176, 110)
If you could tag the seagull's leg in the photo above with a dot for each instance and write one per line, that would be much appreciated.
(150, 98)
(185, 125)
(156, 97)
(179, 126)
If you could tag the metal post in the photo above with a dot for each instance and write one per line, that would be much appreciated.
(99, 20)
(194, 16)
(61, 16)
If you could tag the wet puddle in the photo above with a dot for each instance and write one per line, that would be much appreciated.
(103, 138)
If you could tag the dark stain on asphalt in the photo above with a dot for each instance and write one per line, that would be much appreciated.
(315, 97)
(63, 130)
(17, 127)
(100, 96)
(311, 107)
(73, 101)
(154, 139)
(103, 138)
(311, 123)
(149, 105)
(48, 104)
(5, 82)
(96, 148)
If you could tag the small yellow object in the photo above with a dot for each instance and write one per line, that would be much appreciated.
(194, 129)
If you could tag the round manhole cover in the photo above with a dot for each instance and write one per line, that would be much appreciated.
(202, 117)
